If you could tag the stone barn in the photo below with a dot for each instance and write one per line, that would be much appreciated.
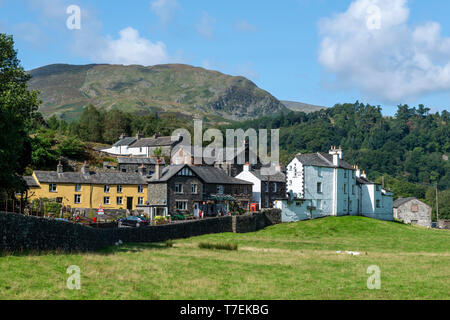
(412, 210)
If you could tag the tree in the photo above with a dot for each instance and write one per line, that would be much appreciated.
(91, 125)
(18, 106)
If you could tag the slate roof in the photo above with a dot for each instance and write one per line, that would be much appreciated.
(31, 183)
(208, 174)
(129, 160)
(277, 177)
(321, 159)
(362, 180)
(399, 202)
(229, 154)
(119, 178)
(127, 141)
(152, 142)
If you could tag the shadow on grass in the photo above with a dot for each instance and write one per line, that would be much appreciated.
(125, 248)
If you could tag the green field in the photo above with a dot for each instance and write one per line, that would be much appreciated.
(289, 261)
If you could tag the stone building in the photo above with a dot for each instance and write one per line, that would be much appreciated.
(132, 164)
(412, 210)
(266, 188)
(186, 189)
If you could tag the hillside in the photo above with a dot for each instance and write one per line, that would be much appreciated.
(186, 90)
(301, 107)
(284, 262)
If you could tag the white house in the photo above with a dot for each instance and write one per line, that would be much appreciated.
(266, 188)
(321, 184)
(142, 147)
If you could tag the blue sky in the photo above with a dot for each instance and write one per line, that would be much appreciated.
(320, 52)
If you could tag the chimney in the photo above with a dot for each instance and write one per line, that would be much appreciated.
(278, 168)
(157, 174)
(59, 167)
(338, 151)
(122, 136)
(142, 170)
(247, 167)
(156, 135)
(358, 172)
(139, 136)
(85, 169)
(363, 175)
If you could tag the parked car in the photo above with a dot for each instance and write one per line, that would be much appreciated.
(61, 219)
(133, 221)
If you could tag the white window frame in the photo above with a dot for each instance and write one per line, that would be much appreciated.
(178, 188)
(106, 202)
(78, 187)
(140, 200)
(53, 187)
(119, 188)
(75, 199)
(184, 205)
(319, 187)
(119, 202)
(140, 189)
(194, 188)
(106, 188)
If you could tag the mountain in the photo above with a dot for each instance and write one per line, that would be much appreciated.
(303, 107)
(175, 88)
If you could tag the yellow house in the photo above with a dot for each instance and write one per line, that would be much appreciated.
(90, 190)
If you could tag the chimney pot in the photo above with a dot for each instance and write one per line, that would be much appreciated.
(59, 167)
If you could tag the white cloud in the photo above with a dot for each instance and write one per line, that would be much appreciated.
(206, 26)
(130, 48)
(393, 63)
(244, 26)
(165, 9)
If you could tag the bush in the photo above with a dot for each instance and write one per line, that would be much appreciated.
(169, 243)
(218, 246)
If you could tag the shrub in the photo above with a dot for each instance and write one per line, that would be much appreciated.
(169, 243)
(218, 246)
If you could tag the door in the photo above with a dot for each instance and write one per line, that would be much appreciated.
(196, 209)
(130, 203)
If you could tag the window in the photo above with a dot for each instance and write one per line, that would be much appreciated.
(414, 208)
(140, 200)
(52, 187)
(178, 188)
(274, 187)
(119, 189)
(59, 200)
(319, 172)
(345, 174)
(194, 188)
(140, 189)
(345, 188)
(181, 205)
(319, 204)
(353, 189)
(77, 187)
(378, 204)
(319, 187)
(77, 199)
(220, 189)
(124, 170)
(350, 205)
(119, 200)
(290, 182)
(186, 172)
(106, 200)
(106, 188)
(378, 188)
(353, 174)
(267, 187)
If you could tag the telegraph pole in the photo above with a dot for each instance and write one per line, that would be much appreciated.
(437, 205)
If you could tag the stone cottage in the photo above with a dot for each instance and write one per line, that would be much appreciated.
(412, 210)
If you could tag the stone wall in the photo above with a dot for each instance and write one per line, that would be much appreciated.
(22, 233)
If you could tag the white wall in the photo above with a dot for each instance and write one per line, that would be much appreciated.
(294, 178)
(250, 177)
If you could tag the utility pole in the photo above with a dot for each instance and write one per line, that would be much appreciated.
(437, 205)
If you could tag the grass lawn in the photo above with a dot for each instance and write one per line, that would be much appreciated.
(289, 261)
